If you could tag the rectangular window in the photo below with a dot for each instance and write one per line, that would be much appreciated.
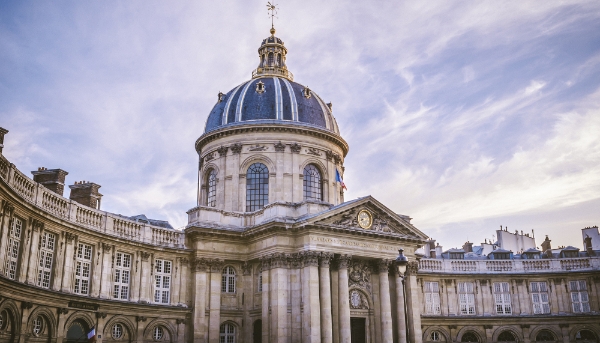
(579, 296)
(46, 248)
(83, 264)
(122, 273)
(163, 281)
(466, 296)
(539, 297)
(12, 249)
(432, 298)
(502, 298)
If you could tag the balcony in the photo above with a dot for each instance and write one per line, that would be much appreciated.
(442, 266)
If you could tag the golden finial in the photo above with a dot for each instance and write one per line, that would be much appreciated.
(272, 7)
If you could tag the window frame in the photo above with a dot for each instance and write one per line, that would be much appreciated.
(227, 337)
(431, 290)
(46, 248)
(13, 248)
(312, 183)
(228, 279)
(121, 288)
(538, 291)
(162, 276)
(502, 298)
(579, 291)
(83, 266)
(211, 188)
(257, 187)
(466, 298)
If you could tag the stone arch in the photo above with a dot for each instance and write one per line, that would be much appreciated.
(257, 158)
(364, 297)
(480, 334)
(320, 166)
(235, 325)
(573, 332)
(84, 316)
(10, 306)
(148, 331)
(516, 332)
(129, 326)
(48, 316)
(554, 330)
(205, 168)
(443, 331)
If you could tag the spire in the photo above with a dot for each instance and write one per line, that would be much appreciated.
(272, 53)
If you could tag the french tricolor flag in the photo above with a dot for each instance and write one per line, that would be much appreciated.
(338, 178)
(92, 335)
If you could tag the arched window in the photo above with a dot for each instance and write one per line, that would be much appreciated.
(506, 336)
(313, 189)
(77, 332)
(585, 336)
(257, 187)
(211, 188)
(436, 336)
(469, 336)
(228, 280)
(227, 333)
(279, 60)
(545, 336)
(271, 59)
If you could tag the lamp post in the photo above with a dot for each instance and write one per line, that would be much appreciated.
(401, 264)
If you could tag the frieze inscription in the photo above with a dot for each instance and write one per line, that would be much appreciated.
(351, 243)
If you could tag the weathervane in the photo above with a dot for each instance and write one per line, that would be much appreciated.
(272, 7)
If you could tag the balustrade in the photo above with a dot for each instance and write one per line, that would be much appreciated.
(507, 266)
(127, 229)
(536, 264)
(430, 265)
(499, 266)
(24, 186)
(55, 204)
(165, 237)
(89, 217)
(463, 266)
(575, 263)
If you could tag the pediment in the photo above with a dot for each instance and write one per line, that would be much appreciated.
(384, 220)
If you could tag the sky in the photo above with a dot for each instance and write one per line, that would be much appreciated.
(464, 115)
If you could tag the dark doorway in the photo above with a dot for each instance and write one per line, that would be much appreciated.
(77, 332)
(257, 331)
(358, 331)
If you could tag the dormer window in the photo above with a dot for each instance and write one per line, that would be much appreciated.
(501, 256)
(457, 256)
(260, 87)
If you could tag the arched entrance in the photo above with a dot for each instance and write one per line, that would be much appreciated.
(257, 331)
(7, 326)
(77, 332)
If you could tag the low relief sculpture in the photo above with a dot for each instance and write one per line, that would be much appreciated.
(380, 225)
(348, 219)
(209, 156)
(329, 155)
(295, 148)
(279, 147)
(236, 148)
(359, 275)
(358, 300)
(313, 151)
(257, 147)
(222, 151)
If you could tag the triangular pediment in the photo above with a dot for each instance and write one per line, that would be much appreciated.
(383, 220)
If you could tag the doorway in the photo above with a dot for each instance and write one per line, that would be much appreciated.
(77, 332)
(358, 332)
(257, 331)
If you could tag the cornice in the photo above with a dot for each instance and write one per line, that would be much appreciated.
(299, 128)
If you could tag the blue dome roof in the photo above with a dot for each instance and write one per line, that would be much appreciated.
(268, 99)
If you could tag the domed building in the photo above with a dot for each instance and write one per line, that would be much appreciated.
(272, 252)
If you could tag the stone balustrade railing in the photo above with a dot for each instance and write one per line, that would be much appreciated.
(432, 265)
(90, 218)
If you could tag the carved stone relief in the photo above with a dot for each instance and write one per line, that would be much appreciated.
(209, 156)
(279, 147)
(313, 151)
(295, 148)
(358, 300)
(236, 148)
(359, 275)
(257, 147)
(222, 151)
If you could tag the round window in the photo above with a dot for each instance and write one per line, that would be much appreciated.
(37, 326)
(435, 336)
(3, 319)
(158, 333)
(117, 331)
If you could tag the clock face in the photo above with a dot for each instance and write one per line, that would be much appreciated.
(364, 219)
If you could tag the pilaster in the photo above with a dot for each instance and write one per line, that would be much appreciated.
(31, 274)
(414, 303)
(199, 289)
(343, 296)
(325, 292)
(106, 271)
(67, 274)
(216, 270)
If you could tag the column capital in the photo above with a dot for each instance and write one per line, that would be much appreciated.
(310, 258)
(216, 265)
(246, 268)
(325, 259)
(200, 264)
(36, 225)
(265, 263)
(383, 265)
(344, 260)
(7, 208)
(412, 268)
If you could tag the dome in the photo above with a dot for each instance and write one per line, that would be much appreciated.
(271, 96)
(272, 99)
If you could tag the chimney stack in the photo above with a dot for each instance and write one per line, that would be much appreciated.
(53, 179)
(546, 244)
(3, 131)
(468, 247)
(86, 193)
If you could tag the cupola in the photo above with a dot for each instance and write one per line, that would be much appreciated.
(272, 54)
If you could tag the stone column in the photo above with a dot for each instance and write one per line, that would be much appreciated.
(311, 317)
(146, 283)
(100, 316)
(279, 297)
(344, 298)
(34, 259)
(61, 320)
(214, 311)
(199, 326)
(266, 265)
(325, 291)
(414, 305)
(70, 242)
(106, 271)
(400, 310)
(386, 304)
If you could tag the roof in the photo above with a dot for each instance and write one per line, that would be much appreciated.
(160, 223)
(268, 99)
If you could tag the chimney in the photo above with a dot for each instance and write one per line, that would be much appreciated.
(431, 248)
(438, 250)
(86, 193)
(587, 242)
(546, 244)
(468, 247)
(53, 179)
(3, 131)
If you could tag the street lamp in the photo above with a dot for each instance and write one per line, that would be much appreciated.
(401, 262)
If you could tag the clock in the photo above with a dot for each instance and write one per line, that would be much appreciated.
(365, 219)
